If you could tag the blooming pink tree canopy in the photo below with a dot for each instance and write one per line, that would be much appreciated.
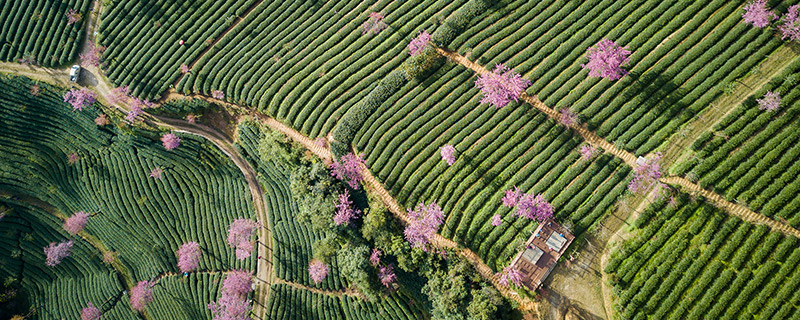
(387, 275)
(80, 98)
(191, 118)
(568, 118)
(423, 225)
(374, 23)
(233, 304)
(530, 205)
(375, 257)
(90, 312)
(240, 233)
(344, 210)
(587, 152)
(156, 172)
(508, 276)
(317, 270)
(170, 141)
(141, 295)
(93, 56)
(501, 86)
(55, 252)
(646, 174)
(118, 95)
(497, 220)
(606, 59)
(348, 168)
(101, 120)
(757, 14)
(184, 69)
(417, 44)
(133, 113)
(189, 256)
(448, 153)
(238, 283)
(790, 29)
(770, 102)
(73, 16)
(73, 158)
(217, 94)
(76, 222)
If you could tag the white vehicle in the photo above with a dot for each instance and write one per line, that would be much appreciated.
(74, 73)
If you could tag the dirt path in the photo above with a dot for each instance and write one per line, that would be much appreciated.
(347, 292)
(729, 207)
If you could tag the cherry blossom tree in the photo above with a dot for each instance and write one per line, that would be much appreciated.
(757, 14)
(133, 113)
(374, 23)
(770, 102)
(55, 252)
(344, 210)
(646, 174)
(448, 153)
(191, 118)
(790, 29)
(74, 224)
(531, 206)
(417, 44)
(387, 275)
(101, 120)
(423, 225)
(35, 89)
(80, 98)
(118, 95)
(73, 158)
(317, 270)
(501, 86)
(238, 283)
(497, 220)
(568, 118)
(348, 168)
(184, 69)
(375, 257)
(233, 304)
(93, 56)
(217, 94)
(508, 276)
(156, 172)
(73, 16)
(170, 141)
(189, 256)
(141, 295)
(606, 59)
(240, 233)
(587, 152)
(90, 312)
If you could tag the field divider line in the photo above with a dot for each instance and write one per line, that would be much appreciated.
(347, 292)
(592, 138)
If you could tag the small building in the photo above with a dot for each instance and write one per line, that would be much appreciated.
(542, 251)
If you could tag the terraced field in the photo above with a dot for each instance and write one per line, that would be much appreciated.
(40, 31)
(691, 261)
(751, 156)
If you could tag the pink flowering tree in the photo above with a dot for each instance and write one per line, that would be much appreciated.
(217, 94)
(568, 118)
(133, 113)
(386, 275)
(448, 153)
(509, 276)
(587, 152)
(317, 270)
(646, 174)
(156, 173)
(73, 16)
(420, 42)
(348, 168)
(344, 210)
(240, 234)
(184, 69)
(375, 257)
(73, 158)
(423, 225)
(374, 24)
(790, 29)
(757, 14)
(93, 56)
(90, 312)
(233, 304)
(531, 206)
(141, 295)
(501, 86)
(497, 220)
(191, 118)
(101, 120)
(74, 224)
(118, 95)
(56, 252)
(606, 59)
(80, 98)
(770, 102)
(170, 141)
(189, 256)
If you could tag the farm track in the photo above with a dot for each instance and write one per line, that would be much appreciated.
(735, 209)
(347, 292)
